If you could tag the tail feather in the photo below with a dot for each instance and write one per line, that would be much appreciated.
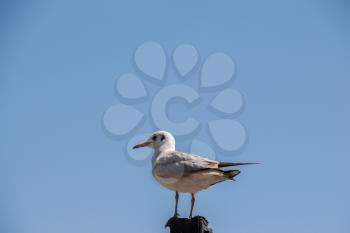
(231, 174)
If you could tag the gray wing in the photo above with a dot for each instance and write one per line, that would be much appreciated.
(178, 164)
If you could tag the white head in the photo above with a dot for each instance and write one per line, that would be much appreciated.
(159, 141)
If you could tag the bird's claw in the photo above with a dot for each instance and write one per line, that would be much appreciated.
(170, 221)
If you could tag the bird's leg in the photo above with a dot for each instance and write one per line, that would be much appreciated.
(170, 221)
(192, 204)
(176, 203)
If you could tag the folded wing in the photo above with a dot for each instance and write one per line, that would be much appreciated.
(181, 164)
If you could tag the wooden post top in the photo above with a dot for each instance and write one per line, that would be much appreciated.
(197, 224)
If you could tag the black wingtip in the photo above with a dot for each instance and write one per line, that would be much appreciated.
(228, 164)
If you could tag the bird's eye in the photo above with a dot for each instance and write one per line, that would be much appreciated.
(162, 138)
(154, 137)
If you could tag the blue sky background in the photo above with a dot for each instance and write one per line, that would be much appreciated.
(60, 172)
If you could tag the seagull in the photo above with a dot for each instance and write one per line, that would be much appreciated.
(184, 172)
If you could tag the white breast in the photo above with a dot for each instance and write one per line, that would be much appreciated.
(190, 183)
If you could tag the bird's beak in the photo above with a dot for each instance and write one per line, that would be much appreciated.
(144, 144)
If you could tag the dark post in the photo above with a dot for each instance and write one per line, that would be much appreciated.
(197, 224)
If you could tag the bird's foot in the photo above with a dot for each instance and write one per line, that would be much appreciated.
(170, 220)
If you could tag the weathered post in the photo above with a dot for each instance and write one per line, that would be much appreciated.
(197, 224)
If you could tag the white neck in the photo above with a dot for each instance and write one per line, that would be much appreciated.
(163, 148)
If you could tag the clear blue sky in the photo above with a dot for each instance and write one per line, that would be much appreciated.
(61, 173)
